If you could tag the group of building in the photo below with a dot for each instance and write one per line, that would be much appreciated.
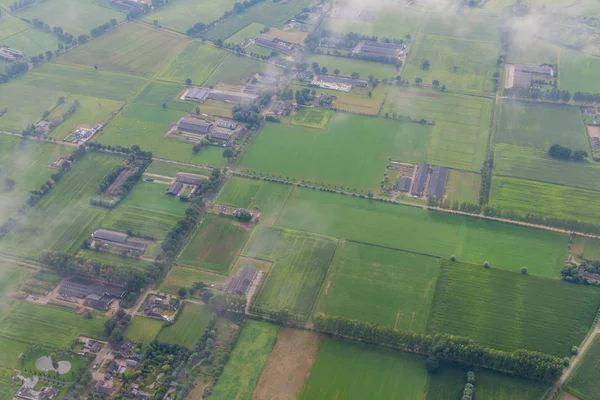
(522, 76)
(374, 49)
(341, 83)
(95, 295)
(156, 303)
(118, 241)
(223, 131)
(275, 44)
(428, 181)
(181, 180)
(82, 135)
(201, 94)
(118, 365)
(8, 54)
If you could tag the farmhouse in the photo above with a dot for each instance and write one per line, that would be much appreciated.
(196, 94)
(126, 347)
(102, 388)
(437, 182)
(83, 288)
(82, 135)
(45, 393)
(418, 186)
(221, 135)
(8, 54)
(112, 368)
(370, 48)
(405, 182)
(271, 42)
(194, 125)
(117, 240)
(42, 128)
(175, 188)
(223, 123)
(241, 282)
(188, 179)
(109, 236)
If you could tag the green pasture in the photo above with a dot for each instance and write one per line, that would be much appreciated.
(243, 369)
(508, 310)
(382, 286)
(349, 65)
(181, 15)
(143, 50)
(31, 41)
(447, 383)
(533, 51)
(341, 155)
(463, 186)
(364, 371)
(163, 94)
(40, 283)
(214, 245)
(226, 28)
(300, 264)
(259, 51)
(31, 323)
(545, 199)
(490, 385)
(170, 169)
(392, 21)
(179, 277)
(311, 117)
(25, 104)
(540, 126)
(10, 352)
(588, 247)
(189, 326)
(409, 228)
(584, 382)
(577, 71)
(143, 330)
(458, 64)
(196, 62)
(249, 32)
(235, 69)
(462, 124)
(114, 259)
(11, 278)
(469, 26)
(11, 26)
(7, 386)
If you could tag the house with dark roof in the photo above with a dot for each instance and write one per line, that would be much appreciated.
(437, 182)
(109, 236)
(418, 186)
(175, 188)
(196, 94)
(131, 363)
(242, 281)
(194, 125)
(112, 368)
(126, 347)
(102, 388)
(405, 182)
(221, 135)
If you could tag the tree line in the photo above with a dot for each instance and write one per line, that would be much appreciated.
(565, 153)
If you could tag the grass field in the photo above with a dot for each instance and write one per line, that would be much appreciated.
(508, 310)
(541, 125)
(470, 26)
(143, 330)
(170, 169)
(196, 62)
(458, 64)
(463, 186)
(363, 371)
(447, 383)
(215, 244)
(460, 136)
(158, 94)
(349, 65)
(246, 362)
(490, 385)
(143, 50)
(577, 71)
(31, 41)
(234, 70)
(189, 327)
(249, 32)
(407, 228)
(11, 26)
(544, 199)
(26, 105)
(396, 22)
(184, 277)
(584, 382)
(590, 248)
(387, 287)
(342, 154)
(311, 117)
(10, 352)
(301, 262)
(114, 259)
(27, 322)
(533, 52)
(181, 15)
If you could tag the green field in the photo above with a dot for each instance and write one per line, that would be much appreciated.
(143, 330)
(31, 41)
(266, 197)
(10, 352)
(114, 259)
(395, 22)
(11, 26)
(300, 264)
(215, 244)
(184, 277)
(189, 326)
(143, 50)
(246, 362)
(235, 69)
(578, 71)
(381, 286)
(364, 371)
(470, 26)
(349, 65)
(508, 310)
(249, 32)
(584, 382)
(342, 154)
(30, 323)
(463, 186)
(533, 52)
(541, 125)
(460, 136)
(589, 248)
(196, 62)
(170, 169)
(407, 228)
(163, 94)
(181, 15)
(311, 117)
(545, 199)
(447, 383)
(458, 64)
(26, 105)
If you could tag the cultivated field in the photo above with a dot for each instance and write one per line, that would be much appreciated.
(143, 330)
(249, 32)
(196, 62)
(31, 41)
(10, 352)
(215, 244)
(396, 22)
(246, 362)
(349, 65)
(578, 71)
(408, 228)
(300, 264)
(590, 248)
(158, 94)
(235, 69)
(114, 259)
(584, 382)
(184, 277)
(181, 15)
(311, 117)
(470, 26)
(490, 385)
(378, 285)
(463, 186)
(11, 26)
(169, 169)
(189, 327)
(508, 310)
(533, 52)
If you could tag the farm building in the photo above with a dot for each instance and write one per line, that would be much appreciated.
(175, 188)
(194, 125)
(188, 180)
(371, 48)
(418, 186)
(42, 127)
(524, 74)
(223, 123)
(241, 282)
(405, 182)
(534, 70)
(45, 393)
(231, 97)
(109, 236)
(437, 182)
(196, 94)
(221, 135)
(96, 295)
(341, 80)
(8, 54)
(112, 239)
(271, 42)
(102, 388)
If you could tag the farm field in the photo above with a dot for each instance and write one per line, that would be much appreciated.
(292, 35)
(577, 71)
(10, 352)
(11, 26)
(589, 248)
(463, 186)
(462, 123)
(300, 264)
(249, 32)
(179, 16)
(158, 93)
(11, 278)
(544, 199)
(189, 326)
(234, 70)
(26, 105)
(114, 259)
(396, 22)
(534, 52)
(311, 117)
(143, 50)
(196, 62)
(407, 228)
(266, 197)
(169, 169)
(447, 383)
(583, 382)
(31, 41)
(340, 155)
(364, 371)
(184, 277)
(143, 330)
(490, 385)
(214, 245)
(508, 310)
(458, 64)
(387, 287)
(541, 125)
(477, 27)
(348, 65)
(27, 322)
(246, 362)
(356, 101)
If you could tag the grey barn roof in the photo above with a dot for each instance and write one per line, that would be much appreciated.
(521, 79)
(530, 69)
(437, 182)
(82, 288)
(196, 93)
(175, 188)
(222, 123)
(266, 38)
(194, 125)
(418, 186)
(241, 282)
(110, 236)
(221, 135)
(188, 180)
(405, 184)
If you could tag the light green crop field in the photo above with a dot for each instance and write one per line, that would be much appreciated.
(189, 327)
(490, 385)
(82, 81)
(584, 382)
(114, 259)
(590, 248)
(11, 276)
(10, 352)
(242, 371)
(462, 123)
(181, 15)
(533, 52)
(234, 70)
(8, 387)
(249, 32)
(541, 125)
(458, 64)
(537, 165)
(266, 197)
(578, 71)
(258, 51)
(26, 105)
(31, 41)
(342, 154)
(216, 242)
(349, 65)
(463, 186)
(184, 277)
(363, 371)
(143, 330)
(10, 26)
(477, 27)
(170, 169)
(508, 310)
(301, 261)
(27, 322)
(546, 199)
(74, 16)
(196, 62)
(382, 286)
(226, 28)
(63, 217)
(147, 126)
(311, 117)
(143, 50)
(163, 94)
(392, 22)
(408, 228)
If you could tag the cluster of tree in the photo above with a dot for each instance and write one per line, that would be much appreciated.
(486, 181)
(196, 29)
(139, 9)
(170, 358)
(70, 111)
(248, 113)
(17, 5)
(135, 149)
(565, 153)
(524, 363)
(537, 93)
(115, 327)
(407, 118)
(13, 70)
(577, 274)
(57, 31)
(586, 97)
(99, 30)
(469, 389)
(305, 96)
(281, 316)
(9, 184)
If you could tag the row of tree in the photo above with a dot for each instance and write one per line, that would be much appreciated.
(538, 93)
(565, 153)
(586, 97)
(99, 30)
(13, 70)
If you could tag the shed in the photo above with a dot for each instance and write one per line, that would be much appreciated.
(405, 182)
(418, 186)
(110, 236)
(175, 188)
(241, 282)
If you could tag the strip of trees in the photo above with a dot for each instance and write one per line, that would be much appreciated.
(565, 153)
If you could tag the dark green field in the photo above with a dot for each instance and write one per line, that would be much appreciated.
(584, 382)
